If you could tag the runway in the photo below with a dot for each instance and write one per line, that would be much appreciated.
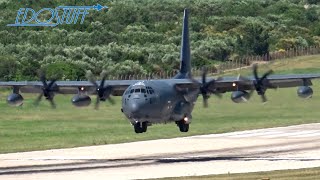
(246, 151)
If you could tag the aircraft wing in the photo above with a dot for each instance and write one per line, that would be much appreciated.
(69, 87)
(227, 84)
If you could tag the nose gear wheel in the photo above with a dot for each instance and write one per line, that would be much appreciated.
(183, 126)
(140, 127)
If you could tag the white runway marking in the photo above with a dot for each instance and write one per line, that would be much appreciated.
(236, 152)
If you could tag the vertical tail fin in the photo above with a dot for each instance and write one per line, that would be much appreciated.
(185, 61)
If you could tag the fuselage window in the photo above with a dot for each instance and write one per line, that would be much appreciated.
(137, 90)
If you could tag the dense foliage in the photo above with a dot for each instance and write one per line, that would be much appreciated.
(142, 36)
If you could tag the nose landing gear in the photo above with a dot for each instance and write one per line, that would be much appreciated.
(140, 127)
(183, 125)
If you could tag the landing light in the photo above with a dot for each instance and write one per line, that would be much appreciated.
(185, 119)
(82, 88)
(234, 84)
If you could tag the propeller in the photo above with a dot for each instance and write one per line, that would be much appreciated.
(204, 89)
(261, 84)
(103, 92)
(48, 90)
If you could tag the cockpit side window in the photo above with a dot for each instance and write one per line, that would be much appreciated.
(149, 90)
(131, 91)
(143, 90)
(128, 92)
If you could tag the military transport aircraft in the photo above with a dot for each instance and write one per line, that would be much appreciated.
(146, 102)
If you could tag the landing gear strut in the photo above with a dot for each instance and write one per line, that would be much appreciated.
(140, 127)
(183, 126)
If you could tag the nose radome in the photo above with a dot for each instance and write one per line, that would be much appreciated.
(134, 107)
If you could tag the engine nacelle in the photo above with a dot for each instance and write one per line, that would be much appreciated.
(81, 100)
(15, 99)
(305, 92)
(240, 96)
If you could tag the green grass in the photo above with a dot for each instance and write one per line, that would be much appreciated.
(35, 128)
(296, 174)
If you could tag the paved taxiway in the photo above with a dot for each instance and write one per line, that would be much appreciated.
(246, 151)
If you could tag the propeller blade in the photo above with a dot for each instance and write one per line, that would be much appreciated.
(255, 72)
(47, 90)
(36, 103)
(96, 106)
(103, 80)
(250, 93)
(267, 74)
(264, 98)
(43, 80)
(205, 100)
(204, 75)
(49, 86)
(102, 90)
(261, 84)
(53, 104)
(204, 87)
(91, 79)
(211, 82)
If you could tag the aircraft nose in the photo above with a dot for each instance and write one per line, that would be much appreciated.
(134, 107)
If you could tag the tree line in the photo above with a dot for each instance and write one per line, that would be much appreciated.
(143, 36)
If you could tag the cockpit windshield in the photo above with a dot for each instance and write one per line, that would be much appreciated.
(137, 90)
(147, 90)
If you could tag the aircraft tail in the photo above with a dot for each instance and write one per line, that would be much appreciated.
(185, 61)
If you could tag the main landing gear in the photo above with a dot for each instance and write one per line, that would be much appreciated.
(183, 125)
(140, 127)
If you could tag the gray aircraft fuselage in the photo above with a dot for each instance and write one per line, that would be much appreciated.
(155, 102)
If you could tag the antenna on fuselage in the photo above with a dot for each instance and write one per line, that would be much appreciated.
(185, 61)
